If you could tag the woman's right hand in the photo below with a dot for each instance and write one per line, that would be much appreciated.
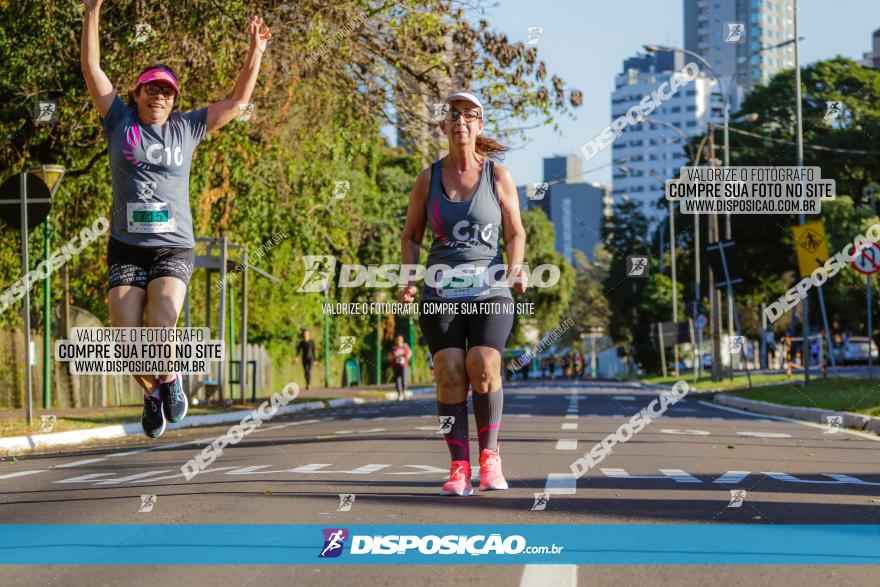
(407, 294)
(92, 4)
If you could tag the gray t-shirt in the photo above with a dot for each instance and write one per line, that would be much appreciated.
(149, 166)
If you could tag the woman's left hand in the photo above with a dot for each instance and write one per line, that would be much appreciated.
(258, 34)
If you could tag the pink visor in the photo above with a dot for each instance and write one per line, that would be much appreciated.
(158, 75)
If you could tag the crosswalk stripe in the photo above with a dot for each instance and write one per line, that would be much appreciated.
(549, 576)
(560, 484)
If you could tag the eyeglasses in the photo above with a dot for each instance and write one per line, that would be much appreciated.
(165, 91)
(469, 115)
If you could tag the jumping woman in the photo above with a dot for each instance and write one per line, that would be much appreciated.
(150, 250)
(468, 200)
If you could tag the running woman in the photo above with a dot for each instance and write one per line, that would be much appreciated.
(150, 250)
(400, 356)
(468, 199)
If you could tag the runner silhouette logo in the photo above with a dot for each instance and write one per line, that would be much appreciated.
(334, 542)
(446, 423)
(636, 266)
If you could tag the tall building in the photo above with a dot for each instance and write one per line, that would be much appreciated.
(653, 151)
(577, 208)
(729, 34)
(872, 58)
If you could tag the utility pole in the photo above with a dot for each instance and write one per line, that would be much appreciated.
(805, 345)
(714, 313)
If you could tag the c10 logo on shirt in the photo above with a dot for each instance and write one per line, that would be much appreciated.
(463, 227)
(154, 155)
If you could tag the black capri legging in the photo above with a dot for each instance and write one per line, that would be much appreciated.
(462, 328)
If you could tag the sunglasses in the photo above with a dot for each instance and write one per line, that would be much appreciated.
(469, 115)
(165, 91)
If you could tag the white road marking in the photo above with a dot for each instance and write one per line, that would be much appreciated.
(732, 477)
(566, 444)
(524, 397)
(571, 416)
(764, 434)
(131, 477)
(423, 469)
(549, 576)
(78, 463)
(676, 475)
(252, 470)
(838, 479)
(313, 468)
(560, 484)
(625, 398)
(680, 476)
(848, 479)
(569, 426)
(362, 470)
(85, 478)
(22, 473)
(685, 432)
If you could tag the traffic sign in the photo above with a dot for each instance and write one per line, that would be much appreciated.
(811, 246)
(868, 259)
(724, 263)
(38, 198)
(701, 321)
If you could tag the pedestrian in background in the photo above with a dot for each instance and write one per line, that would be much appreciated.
(306, 350)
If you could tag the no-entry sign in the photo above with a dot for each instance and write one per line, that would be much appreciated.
(868, 259)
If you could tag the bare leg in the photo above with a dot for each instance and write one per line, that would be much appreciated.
(452, 381)
(484, 372)
(126, 305)
(165, 297)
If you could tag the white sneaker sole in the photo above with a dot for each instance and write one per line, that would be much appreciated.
(467, 491)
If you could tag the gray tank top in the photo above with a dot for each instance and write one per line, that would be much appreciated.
(466, 238)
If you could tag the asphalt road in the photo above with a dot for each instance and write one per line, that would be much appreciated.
(681, 468)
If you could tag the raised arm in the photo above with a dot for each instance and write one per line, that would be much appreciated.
(100, 88)
(222, 112)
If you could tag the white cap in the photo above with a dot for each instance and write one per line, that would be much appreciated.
(464, 96)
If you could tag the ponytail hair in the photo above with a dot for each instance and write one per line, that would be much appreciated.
(489, 147)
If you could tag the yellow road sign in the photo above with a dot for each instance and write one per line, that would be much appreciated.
(811, 246)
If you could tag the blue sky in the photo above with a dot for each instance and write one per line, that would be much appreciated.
(586, 41)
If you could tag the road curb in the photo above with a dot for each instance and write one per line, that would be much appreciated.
(849, 419)
(20, 444)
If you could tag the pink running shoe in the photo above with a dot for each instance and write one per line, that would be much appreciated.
(490, 470)
(459, 480)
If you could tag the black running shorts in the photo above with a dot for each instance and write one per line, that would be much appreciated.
(137, 266)
(454, 328)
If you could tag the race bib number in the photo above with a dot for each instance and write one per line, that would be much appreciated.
(149, 217)
(461, 282)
